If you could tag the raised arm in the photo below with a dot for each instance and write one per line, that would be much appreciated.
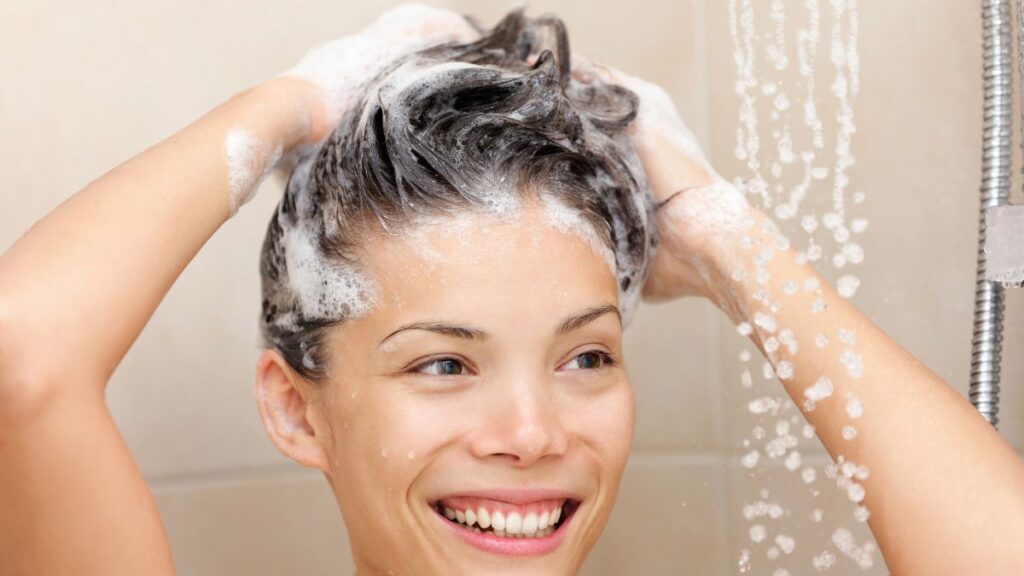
(945, 492)
(78, 287)
(75, 291)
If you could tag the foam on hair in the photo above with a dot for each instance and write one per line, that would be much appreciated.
(438, 133)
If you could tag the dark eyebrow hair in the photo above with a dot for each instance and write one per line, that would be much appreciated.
(442, 329)
(577, 321)
(571, 323)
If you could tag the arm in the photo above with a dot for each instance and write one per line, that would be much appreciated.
(945, 491)
(79, 286)
(75, 291)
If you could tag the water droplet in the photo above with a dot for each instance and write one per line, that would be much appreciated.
(785, 370)
(793, 461)
(847, 286)
(786, 543)
(746, 380)
(808, 475)
(855, 492)
(765, 321)
(854, 408)
(750, 459)
(820, 390)
(758, 533)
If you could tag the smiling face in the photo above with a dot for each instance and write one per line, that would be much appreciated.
(477, 420)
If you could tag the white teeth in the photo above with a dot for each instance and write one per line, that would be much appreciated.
(530, 524)
(514, 523)
(542, 522)
(498, 522)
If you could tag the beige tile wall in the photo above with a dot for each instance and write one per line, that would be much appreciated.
(87, 86)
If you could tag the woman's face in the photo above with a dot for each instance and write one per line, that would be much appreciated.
(487, 384)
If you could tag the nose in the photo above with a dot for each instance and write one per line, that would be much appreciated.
(522, 425)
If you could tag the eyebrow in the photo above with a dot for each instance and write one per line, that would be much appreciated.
(577, 321)
(574, 322)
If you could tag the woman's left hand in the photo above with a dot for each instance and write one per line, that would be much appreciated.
(693, 201)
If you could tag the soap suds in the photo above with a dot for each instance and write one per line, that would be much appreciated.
(249, 161)
(716, 209)
(570, 221)
(325, 290)
(341, 66)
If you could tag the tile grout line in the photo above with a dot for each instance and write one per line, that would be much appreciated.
(213, 479)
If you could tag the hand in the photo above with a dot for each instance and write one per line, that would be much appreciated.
(696, 207)
(335, 70)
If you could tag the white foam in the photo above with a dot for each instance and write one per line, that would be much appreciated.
(568, 220)
(324, 289)
(718, 209)
(249, 161)
(341, 66)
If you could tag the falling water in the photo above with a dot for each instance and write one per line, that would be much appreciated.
(801, 176)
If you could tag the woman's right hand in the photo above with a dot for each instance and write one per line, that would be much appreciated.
(333, 72)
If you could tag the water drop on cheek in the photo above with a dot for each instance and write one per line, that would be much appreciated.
(411, 454)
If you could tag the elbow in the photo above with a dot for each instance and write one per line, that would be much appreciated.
(24, 388)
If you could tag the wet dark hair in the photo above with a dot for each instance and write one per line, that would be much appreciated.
(443, 131)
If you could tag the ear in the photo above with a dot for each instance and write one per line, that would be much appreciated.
(284, 403)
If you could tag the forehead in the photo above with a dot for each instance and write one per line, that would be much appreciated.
(492, 267)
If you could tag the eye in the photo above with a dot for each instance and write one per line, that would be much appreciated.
(590, 360)
(441, 367)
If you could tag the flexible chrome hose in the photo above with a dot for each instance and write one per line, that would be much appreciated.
(986, 344)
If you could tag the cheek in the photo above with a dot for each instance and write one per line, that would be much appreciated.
(605, 422)
(391, 434)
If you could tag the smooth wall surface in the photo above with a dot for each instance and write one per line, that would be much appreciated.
(87, 86)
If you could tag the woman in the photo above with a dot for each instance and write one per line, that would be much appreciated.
(443, 367)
